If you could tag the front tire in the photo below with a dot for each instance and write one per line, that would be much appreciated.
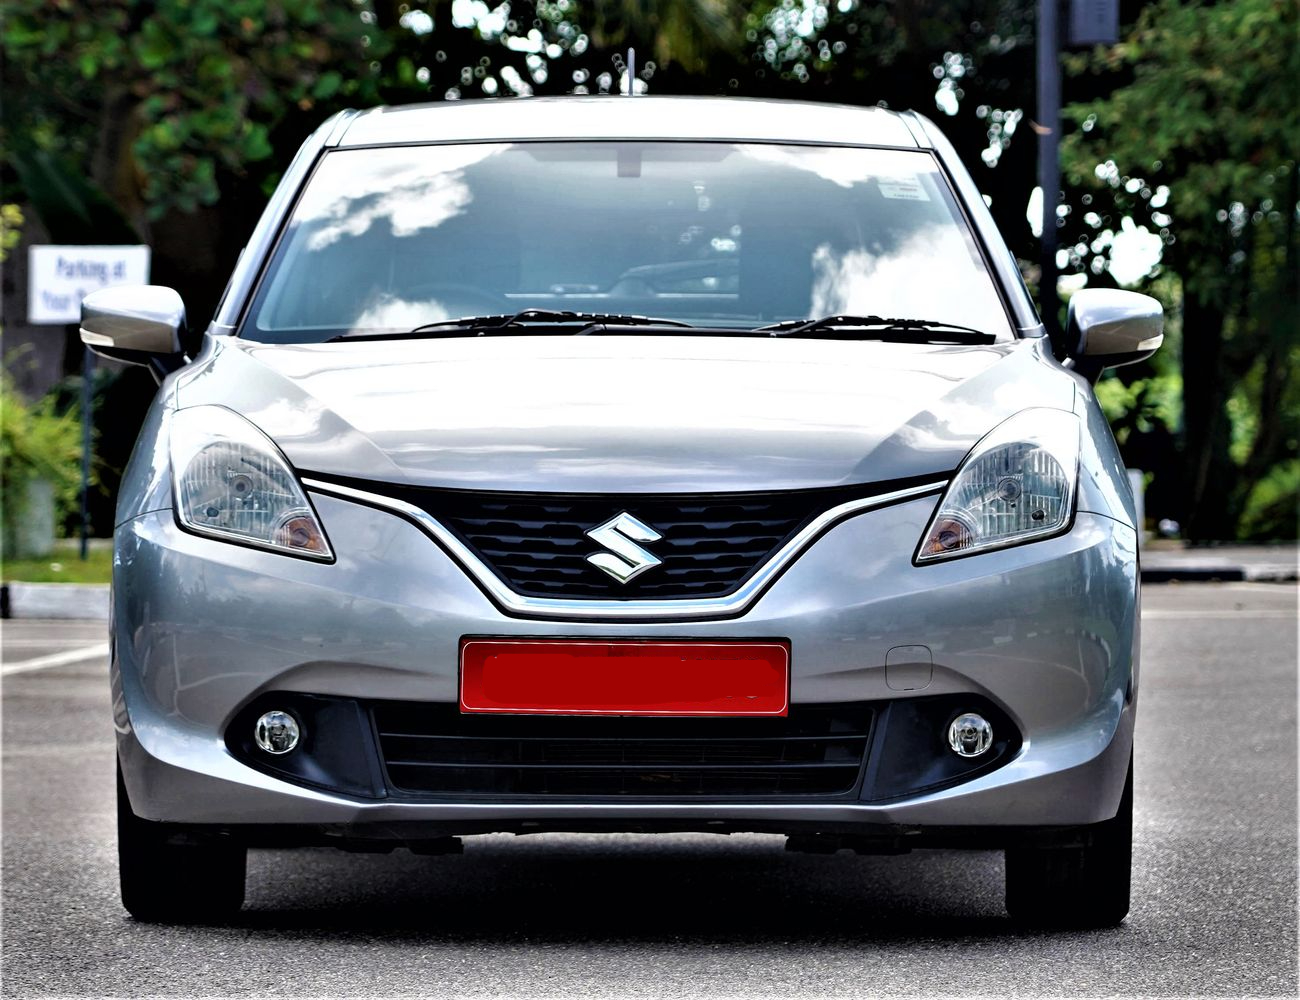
(164, 881)
(1084, 886)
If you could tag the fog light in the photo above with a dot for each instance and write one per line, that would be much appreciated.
(970, 735)
(277, 732)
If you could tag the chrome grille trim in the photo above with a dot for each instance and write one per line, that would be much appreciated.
(515, 604)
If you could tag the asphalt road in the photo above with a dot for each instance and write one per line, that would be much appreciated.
(1215, 882)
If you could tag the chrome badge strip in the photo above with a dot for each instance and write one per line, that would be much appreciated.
(556, 608)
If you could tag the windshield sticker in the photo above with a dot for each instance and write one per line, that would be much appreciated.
(902, 188)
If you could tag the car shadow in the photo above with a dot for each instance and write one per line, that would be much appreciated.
(556, 888)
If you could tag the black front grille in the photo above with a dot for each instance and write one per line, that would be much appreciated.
(435, 750)
(538, 546)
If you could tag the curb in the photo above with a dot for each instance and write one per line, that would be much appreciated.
(1193, 574)
(1220, 574)
(84, 601)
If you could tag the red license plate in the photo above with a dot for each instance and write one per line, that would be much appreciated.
(624, 677)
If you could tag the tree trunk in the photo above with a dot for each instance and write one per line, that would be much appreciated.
(1206, 428)
(112, 164)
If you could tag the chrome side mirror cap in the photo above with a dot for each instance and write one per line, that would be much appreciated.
(138, 324)
(133, 322)
(1108, 327)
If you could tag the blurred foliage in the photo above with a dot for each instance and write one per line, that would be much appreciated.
(37, 441)
(1142, 405)
(1199, 145)
(694, 34)
(1271, 510)
(138, 116)
(11, 229)
(160, 95)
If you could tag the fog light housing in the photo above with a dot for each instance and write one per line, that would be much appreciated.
(277, 732)
(970, 735)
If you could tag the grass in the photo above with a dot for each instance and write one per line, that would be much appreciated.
(63, 565)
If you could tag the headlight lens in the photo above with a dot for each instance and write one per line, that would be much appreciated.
(1016, 485)
(231, 482)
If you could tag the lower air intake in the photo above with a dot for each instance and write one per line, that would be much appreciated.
(435, 750)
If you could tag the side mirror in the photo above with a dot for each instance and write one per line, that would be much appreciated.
(139, 324)
(1108, 327)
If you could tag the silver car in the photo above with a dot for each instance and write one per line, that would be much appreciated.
(626, 464)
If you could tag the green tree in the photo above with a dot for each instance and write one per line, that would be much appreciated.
(1200, 143)
(693, 34)
(150, 99)
(137, 116)
(11, 226)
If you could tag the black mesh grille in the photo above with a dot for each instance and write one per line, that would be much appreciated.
(709, 547)
(434, 749)
(711, 544)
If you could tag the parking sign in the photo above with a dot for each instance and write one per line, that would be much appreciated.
(59, 277)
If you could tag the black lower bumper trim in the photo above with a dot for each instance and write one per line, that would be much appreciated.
(820, 836)
(415, 752)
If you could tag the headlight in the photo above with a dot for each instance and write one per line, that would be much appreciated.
(1016, 485)
(232, 483)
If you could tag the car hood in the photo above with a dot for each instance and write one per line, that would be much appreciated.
(623, 414)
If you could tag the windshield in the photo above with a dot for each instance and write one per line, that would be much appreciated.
(709, 233)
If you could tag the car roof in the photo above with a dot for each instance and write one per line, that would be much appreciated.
(614, 117)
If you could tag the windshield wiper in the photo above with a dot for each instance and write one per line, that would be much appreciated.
(507, 323)
(880, 328)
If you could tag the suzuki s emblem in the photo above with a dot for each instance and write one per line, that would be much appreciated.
(626, 559)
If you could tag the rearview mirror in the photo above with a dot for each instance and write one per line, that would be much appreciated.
(139, 324)
(1108, 327)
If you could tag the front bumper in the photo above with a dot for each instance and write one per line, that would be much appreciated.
(1046, 632)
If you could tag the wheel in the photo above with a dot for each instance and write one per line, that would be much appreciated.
(166, 882)
(1084, 886)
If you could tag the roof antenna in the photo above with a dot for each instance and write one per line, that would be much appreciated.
(631, 72)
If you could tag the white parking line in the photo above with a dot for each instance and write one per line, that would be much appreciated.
(38, 643)
(1217, 613)
(63, 659)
